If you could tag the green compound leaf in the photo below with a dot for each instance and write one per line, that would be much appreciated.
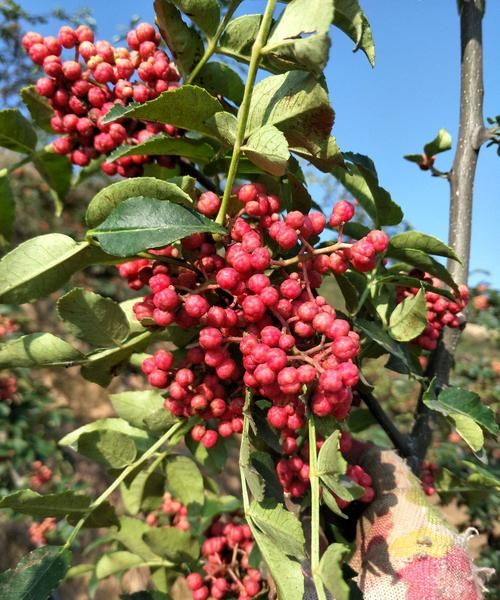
(41, 265)
(214, 460)
(219, 79)
(409, 319)
(441, 143)
(424, 242)
(279, 525)
(330, 460)
(7, 209)
(56, 170)
(116, 562)
(286, 572)
(331, 469)
(113, 449)
(309, 54)
(135, 407)
(40, 110)
(481, 476)
(238, 37)
(325, 156)
(204, 13)
(414, 158)
(188, 107)
(185, 481)
(463, 402)
(107, 199)
(223, 125)
(140, 486)
(16, 132)
(330, 571)
(468, 430)
(140, 437)
(37, 574)
(130, 536)
(140, 223)
(376, 333)
(101, 366)
(97, 320)
(361, 179)
(62, 505)
(287, 50)
(349, 17)
(173, 544)
(183, 41)
(421, 260)
(268, 149)
(300, 108)
(163, 144)
(38, 350)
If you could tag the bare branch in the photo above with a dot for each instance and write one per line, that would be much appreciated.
(187, 168)
(400, 440)
(461, 193)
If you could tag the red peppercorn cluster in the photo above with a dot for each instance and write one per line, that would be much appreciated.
(82, 91)
(293, 474)
(441, 311)
(38, 531)
(227, 573)
(293, 471)
(428, 473)
(262, 322)
(8, 387)
(41, 474)
(173, 510)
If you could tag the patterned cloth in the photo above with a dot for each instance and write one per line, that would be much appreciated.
(404, 548)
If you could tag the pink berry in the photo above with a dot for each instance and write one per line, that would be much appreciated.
(145, 32)
(343, 211)
(67, 37)
(196, 306)
(379, 239)
(209, 204)
(71, 70)
(46, 87)
(194, 581)
(209, 439)
(210, 338)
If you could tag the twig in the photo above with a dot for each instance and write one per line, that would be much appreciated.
(437, 173)
(187, 168)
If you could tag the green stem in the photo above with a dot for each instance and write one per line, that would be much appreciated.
(123, 475)
(212, 43)
(315, 526)
(253, 68)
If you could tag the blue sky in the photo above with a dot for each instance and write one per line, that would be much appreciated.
(395, 108)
